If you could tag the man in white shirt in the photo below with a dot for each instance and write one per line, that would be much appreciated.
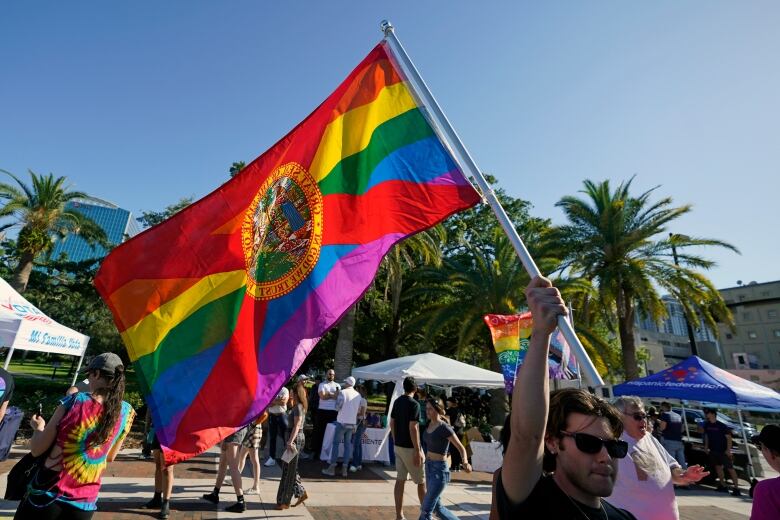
(348, 405)
(277, 423)
(646, 477)
(326, 413)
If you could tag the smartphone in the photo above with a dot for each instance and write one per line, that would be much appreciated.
(40, 409)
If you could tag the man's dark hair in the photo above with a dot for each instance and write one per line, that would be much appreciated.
(666, 406)
(713, 411)
(409, 385)
(573, 400)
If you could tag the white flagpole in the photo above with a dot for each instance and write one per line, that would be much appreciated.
(460, 154)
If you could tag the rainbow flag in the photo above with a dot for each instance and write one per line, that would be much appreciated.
(511, 335)
(220, 304)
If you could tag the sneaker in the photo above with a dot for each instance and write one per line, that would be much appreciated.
(330, 471)
(252, 491)
(306, 455)
(360, 467)
(153, 503)
(238, 507)
(344, 471)
(211, 497)
(352, 469)
(165, 510)
(736, 492)
(722, 489)
(270, 462)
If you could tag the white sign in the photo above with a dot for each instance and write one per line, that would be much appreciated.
(375, 445)
(486, 456)
(52, 338)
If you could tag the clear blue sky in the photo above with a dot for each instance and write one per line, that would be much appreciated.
(144, 102)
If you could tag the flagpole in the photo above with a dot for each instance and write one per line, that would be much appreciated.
(461, 155)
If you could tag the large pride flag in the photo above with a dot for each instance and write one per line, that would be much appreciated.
(220, 304)
(511, 335)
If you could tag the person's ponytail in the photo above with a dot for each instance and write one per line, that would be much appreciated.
(112, 406)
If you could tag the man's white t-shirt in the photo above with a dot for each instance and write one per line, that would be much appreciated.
(277, 409)
(330, 387)
(644, 484)
(349, 404)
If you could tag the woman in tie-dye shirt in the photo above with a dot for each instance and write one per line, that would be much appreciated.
(84, 434)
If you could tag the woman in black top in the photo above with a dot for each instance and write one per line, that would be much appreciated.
(458, 423)
(438, 437)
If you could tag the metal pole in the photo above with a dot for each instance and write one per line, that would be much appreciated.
(450, 138)
(691, 337)
(8, 358)
(685, 420)
(576, 362)
(751, 473)
(78, 367)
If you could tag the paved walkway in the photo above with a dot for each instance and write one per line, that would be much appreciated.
(128, 484)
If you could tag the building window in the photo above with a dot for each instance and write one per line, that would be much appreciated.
(729, 336)
(752, 335)
(741, 359)
(771, 314)
(747, 316)
(777, 333)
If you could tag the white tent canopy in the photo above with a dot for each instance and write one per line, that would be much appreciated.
(25, 327)
(431, 369)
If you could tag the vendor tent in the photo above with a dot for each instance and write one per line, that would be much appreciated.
(696, 380)
(431, 369)
(25, 327)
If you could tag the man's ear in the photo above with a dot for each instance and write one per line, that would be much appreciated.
(551, 444)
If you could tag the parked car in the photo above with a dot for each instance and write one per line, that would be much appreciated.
(695, 418)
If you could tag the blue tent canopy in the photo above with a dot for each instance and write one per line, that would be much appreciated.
(696, 380)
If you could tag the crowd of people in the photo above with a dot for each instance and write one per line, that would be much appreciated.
(567, 453)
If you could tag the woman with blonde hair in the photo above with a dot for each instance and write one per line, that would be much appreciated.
(290, 484)
(438, 437)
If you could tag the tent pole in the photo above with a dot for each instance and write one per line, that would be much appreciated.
(78, 367)
(751, 473)
(685, 420)
(8, 358)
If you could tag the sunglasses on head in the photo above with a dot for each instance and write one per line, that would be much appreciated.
(591, 444)
(637, 416)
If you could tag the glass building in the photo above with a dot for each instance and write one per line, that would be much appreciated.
(118, 224)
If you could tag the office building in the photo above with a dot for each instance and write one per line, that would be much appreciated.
(118, 224)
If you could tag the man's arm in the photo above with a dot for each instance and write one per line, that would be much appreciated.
(661, 425)
(414, 431)
(729, 442)
(3, 408)
(531, 397)
(392, 428)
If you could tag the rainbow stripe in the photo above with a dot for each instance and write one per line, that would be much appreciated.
(211, 356)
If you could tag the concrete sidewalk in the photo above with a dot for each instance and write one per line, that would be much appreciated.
(128, 483)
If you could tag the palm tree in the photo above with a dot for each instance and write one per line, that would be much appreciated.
(40, 211)
(617, 242)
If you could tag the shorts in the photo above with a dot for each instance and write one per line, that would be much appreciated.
(720, 459)
(236, 437)
(253, 436)
(404, 465)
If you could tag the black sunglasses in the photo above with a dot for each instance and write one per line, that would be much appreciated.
(591, 444)
(637, 416)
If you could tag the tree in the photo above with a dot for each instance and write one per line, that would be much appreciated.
(617, 242)
(41, 211)
(236, 167)
(152, 218)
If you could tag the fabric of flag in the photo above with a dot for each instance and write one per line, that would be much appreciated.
(220, 304)
(511, 335)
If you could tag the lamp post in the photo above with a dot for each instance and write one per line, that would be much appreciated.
(691, 337)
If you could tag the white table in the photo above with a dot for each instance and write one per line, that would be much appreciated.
(375, 445)
(486, 456)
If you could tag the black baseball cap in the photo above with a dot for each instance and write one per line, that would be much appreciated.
(769, 437)
(107, 362)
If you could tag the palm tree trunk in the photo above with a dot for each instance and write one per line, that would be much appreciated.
(343, 356)
(499, 406)
(23, 271)
(627, 339)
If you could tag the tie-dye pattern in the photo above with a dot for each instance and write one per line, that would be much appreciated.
(82, 466)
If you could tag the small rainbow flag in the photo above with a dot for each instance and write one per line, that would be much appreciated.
(220, 304)
(511, 335)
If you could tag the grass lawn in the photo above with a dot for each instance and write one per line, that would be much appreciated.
(39, 368)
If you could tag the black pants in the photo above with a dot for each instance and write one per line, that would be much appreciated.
(54, 511)
(321, 420)
(277, 425)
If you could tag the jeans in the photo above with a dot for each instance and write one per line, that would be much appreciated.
(677, 450)
(277, 425)
(437, 476)
(357, 441)
(343, 434)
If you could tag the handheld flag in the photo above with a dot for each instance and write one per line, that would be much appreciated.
(511, 335)
(220, 304)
